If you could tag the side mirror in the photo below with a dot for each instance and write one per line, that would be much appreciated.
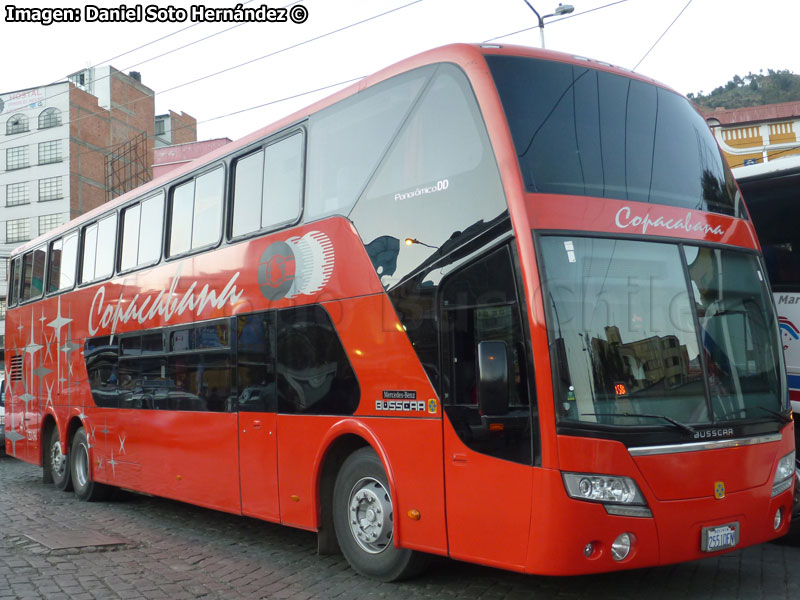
(493, 387)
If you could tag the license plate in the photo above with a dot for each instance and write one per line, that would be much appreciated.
(721, 537)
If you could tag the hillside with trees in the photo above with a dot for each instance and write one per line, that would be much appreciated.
(751, 90)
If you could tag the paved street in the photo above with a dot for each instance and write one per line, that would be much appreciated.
(141, 547)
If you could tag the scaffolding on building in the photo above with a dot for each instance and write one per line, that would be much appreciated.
(127, 167)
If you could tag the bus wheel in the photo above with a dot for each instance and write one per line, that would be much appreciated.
(85, 489)
(58, 463)
(363, 518)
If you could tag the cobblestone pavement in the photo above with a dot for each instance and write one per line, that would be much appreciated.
(155, 548)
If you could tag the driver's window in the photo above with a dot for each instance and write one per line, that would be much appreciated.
(479, 303)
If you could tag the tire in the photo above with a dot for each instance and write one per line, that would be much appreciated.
(58, 463)
(364, 521)
(85, 489)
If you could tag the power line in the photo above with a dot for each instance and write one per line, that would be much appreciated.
(572, 16)
(285, 49)
(662, 35)
(66, 79)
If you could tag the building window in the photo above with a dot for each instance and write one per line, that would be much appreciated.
(2, 309)
(17, 124)
(16, 158)
(4, 268)
(48, 222)
(49, 152)
(160, 127)
(50, 189)
(17, 230)
(50, 117)
(17, 193)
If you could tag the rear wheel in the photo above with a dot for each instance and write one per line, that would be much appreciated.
(58, 462)
(85, 488)
(363, 517)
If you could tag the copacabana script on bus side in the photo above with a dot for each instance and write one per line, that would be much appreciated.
(164, 304)
(625, 220)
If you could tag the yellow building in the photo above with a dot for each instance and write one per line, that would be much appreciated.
(756, 134)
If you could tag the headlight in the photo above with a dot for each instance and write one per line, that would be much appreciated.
(603, 488)
(783, 474)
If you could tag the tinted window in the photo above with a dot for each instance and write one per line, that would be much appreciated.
(102, 359)
(180, 236)
(441, 166)
(255, 367)
(587, 132)
(269, 186)
(347, 140)
(479, 305)
(314, 373)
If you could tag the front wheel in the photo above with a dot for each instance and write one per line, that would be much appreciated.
(85, 488)
(363, 518)
(58, 462)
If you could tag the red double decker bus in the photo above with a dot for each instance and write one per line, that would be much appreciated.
(494, 303)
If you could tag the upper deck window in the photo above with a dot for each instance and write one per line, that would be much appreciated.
(99, 241)
(268, 189)
(196, 215)
(348, 139)
(63, 261)
(33, 264)
(591, 133)
(141, 233)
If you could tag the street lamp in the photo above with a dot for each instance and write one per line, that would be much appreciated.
(563, 9)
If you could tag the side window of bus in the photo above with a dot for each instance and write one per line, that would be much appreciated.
(486, 380)
(141, 233)
(15, 279)
(102, 360)
(195, 219)
(440, 165)
(99, 242)
(268, 187)
(63, 263)
(314, 374)
(255, 362)
(347, 140)
(33, 266)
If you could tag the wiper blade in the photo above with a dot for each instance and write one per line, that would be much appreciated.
(782, 417)
(678, 424)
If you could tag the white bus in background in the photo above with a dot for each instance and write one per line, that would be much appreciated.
(772, 193)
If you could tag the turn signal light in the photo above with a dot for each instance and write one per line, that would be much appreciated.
(414, 514)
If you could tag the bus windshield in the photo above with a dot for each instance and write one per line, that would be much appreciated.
(644, 331)
(587, 132)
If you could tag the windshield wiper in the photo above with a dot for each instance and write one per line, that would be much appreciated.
(678, 424)
(782, 417)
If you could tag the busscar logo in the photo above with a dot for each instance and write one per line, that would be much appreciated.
(713, 433)
(400, 400)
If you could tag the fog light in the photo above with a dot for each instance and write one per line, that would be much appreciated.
(621, 546)
(778, 519)
(588, 550)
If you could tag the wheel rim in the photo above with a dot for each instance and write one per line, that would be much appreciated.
(81, 462)
(370, 515)
(58, 461)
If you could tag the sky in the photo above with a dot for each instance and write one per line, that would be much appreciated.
(213, 70)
